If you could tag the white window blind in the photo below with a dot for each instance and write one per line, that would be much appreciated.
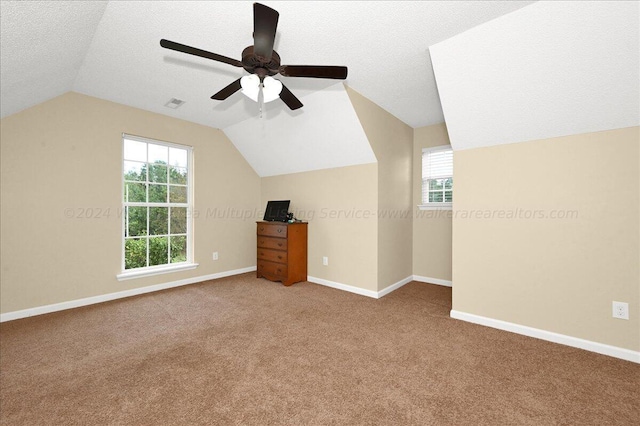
(437, 175)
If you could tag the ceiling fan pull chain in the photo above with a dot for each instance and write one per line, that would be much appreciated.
(261, 99)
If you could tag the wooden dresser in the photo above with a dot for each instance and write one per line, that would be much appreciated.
(282, 251)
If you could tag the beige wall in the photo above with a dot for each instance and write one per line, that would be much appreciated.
(431, 228)
(338, 204)
(391, 141)
(572, 245)
(72, 147)
(63, 157)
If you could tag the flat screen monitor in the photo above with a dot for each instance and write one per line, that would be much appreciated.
(277, 211)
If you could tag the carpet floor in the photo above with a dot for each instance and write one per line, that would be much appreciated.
(243, 351)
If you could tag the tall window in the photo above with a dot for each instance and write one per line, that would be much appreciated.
(437, 176)
(156, 202)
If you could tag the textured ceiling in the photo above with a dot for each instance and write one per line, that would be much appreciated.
(111, 51)
(550, 77)
(328, 134)
(42, 46)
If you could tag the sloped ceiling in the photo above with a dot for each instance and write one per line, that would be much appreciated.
(42, 47)
(111, 50)
(506, 71)
(279, 142)
(550, 69)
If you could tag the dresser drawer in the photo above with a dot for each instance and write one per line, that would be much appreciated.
(272, 255)
(282, 251)
(272, 230)
(271, 269)
(272, 243)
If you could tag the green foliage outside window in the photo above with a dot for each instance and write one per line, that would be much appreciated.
(136, 251)
(440, 190)
(155, 235)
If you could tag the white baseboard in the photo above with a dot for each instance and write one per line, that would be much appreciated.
(395, 286)
(549, 336)
(345, 287)
(39, 310)
(430, 280)
(358, 290)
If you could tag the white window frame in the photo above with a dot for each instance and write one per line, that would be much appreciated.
(432, 205)
(170, 267)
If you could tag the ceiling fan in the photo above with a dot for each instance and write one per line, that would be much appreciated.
(262, 62)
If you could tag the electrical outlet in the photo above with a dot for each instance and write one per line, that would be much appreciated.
(215, 255)
(621, 310)
(325, 260)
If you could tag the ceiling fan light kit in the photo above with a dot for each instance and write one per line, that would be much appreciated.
(262, 63)
(251, 86)
(271, 88)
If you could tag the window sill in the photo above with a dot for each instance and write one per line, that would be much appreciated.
(436, 206)
(155, 270)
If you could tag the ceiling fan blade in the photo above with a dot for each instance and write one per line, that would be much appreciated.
(314, 71)
(289, 98)
(265, 22)
(199, 52)
(227, 91)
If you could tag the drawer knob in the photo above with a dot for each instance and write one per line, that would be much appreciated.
(279, 257)
(279, 230)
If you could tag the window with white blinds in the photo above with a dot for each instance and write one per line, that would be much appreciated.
(437, 176)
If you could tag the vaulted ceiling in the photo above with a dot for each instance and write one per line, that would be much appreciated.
(110, 50)
(554, 68)
(506, 71)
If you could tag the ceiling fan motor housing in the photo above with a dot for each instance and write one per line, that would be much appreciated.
(258, 65)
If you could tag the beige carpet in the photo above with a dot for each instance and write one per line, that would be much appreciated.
(246, 351)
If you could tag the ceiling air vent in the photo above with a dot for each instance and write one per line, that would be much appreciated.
(174, 103)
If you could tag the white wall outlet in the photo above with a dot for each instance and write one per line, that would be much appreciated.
(621, 310)
(325, 260)
(215, 255)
